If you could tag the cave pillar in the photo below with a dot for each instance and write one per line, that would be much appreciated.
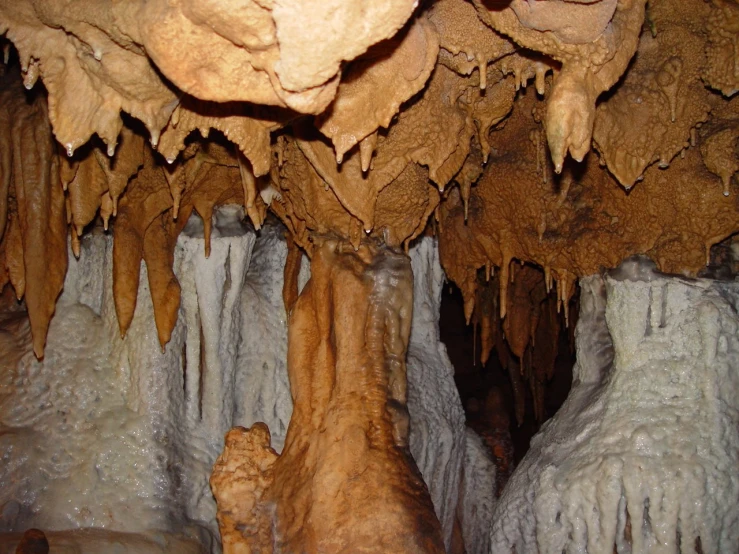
(345, 481)
(643, 455)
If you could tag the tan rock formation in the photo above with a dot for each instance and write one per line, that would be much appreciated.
(240, 478)
(95, 59)
(377, 84)
(662, 94)
(345, 481)
(578, 223)
(592, 59)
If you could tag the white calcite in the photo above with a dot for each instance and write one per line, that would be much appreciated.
(437, 419)
(130, 432)
(476, 495)
(87, 436)
(110, 442)
(647, 443)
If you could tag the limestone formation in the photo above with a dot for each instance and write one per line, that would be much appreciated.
(637, 458)
(362, 126)
(345, 480)
(413, 113)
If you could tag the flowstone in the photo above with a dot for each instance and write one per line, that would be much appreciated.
(644, 452)
(345, 481)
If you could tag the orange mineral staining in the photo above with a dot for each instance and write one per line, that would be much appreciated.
(345, 480)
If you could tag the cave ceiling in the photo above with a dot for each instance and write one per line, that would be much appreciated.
(566, 134)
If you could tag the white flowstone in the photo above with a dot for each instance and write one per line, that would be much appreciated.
(117, 435)
(476, 495)
(86, 435)
(649, 433)
(262, 383)
(437, 433)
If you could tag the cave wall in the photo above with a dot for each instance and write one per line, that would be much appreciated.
(625, 144)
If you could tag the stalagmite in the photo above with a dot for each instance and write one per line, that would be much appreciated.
(349, 429)
(654, 382)
(197, 358)
(438, 441)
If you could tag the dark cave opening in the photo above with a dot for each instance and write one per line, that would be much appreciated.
(486, 390)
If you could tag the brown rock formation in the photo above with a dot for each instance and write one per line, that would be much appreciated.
(345, 481)
(578, 223)
(662, 94)
(240, 478)
(35, 245)
(592, 59)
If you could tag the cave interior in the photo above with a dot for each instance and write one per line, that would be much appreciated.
(328, 276)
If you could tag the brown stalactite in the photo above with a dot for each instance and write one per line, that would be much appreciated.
(525, 294)
(36, 250)
(145, 200)
(443, 134)
(158, 254)
(527, 339)
(14, 256)
(426, 108)
(86, 190)
(6, 162)
(486, 316)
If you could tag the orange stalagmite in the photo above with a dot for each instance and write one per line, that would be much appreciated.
(345, 481)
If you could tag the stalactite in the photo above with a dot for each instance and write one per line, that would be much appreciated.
(146, 199)
(158, 254)
(36, 252)
(527, 340)
(358, 125)
(485, 316)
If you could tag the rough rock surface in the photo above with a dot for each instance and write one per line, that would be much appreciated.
(577, 223)
(165, 406)
(406, 107)
(437, 434)
(358, 122)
